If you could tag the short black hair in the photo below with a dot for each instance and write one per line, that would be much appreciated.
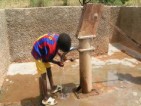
(64, 42)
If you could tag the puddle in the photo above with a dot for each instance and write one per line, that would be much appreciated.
(65, 93)
(117, 77)
(97, 63)
(112, 78)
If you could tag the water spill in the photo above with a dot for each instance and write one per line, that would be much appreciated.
(97, 63)
(64, 92)
(64, 96)
(62, 77)
(112, 78)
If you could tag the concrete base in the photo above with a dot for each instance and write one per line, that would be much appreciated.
(81, 95)
(116, 76)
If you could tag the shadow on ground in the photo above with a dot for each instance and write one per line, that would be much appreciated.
(36, 101)
(32, 101)
(130, 78)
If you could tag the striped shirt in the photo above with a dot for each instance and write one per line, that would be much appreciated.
(45, 47)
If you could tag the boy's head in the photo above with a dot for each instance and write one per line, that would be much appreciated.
(64, 42)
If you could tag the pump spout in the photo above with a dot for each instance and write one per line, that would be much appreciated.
(65, 53)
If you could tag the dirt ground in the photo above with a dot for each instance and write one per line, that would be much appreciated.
(116, 77)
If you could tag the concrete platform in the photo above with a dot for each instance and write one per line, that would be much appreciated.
(117, 77)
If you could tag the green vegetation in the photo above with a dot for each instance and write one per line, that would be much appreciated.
(65, 2)
(14, 3)
(38, 3)
(42, 3)
(107, 2)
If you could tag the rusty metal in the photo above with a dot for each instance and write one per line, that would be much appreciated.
(89, 20)
(86, 37)
(88, 26)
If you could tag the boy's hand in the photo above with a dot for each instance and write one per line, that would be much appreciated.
(61, 64)
(64, 59)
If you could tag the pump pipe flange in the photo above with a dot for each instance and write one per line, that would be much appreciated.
(86, 50)
(86, 37)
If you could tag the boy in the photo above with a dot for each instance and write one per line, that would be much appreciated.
(44, 50)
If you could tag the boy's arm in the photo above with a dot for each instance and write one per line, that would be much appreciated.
(57, 62)
(62, 58)
(59, 54)
(54, 61)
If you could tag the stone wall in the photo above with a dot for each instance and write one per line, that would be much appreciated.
(4, 47)
(128, 20)
(130, 24)
(25, 25)
(113, 22)
(102, 34)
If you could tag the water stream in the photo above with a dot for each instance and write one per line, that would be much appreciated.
(64, 93)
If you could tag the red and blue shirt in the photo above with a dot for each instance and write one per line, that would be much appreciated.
(45, 47)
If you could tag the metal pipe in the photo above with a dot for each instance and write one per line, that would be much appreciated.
(86, 50)
(85, 63)
(65, 53)
(87, 37)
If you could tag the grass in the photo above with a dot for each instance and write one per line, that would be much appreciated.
(134, 2)
(39, 3)
(14, 3)
(36, 3)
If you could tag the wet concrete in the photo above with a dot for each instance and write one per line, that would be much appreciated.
(117, 77)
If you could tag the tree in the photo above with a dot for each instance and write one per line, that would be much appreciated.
(65, 2)
(102, 1)
(124, 1)
(112, 1)
(84, 1)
